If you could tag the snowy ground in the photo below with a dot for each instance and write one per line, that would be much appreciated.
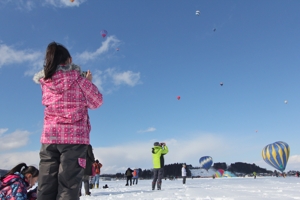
(202, 189)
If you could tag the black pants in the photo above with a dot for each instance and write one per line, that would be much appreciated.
(129, 178)
(157, 176)
(183, 179)
(86, 182)
(60, 173)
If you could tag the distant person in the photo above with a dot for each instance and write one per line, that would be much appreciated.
(158, 152)
(254, 174)
(183, 173)
(135, 176)
(297, 174)
(128, 175)
(97, 166)
(67, 94)
(88, 171)
(14, 184)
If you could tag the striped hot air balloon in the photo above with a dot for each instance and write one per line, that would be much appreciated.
(276, 155)
(219, 173)
(205, 162)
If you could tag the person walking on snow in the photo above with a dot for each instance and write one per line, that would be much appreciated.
(128, 174)
(183, 173)
(158, 152)
(135, 176)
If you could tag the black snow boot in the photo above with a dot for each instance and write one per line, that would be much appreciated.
(153, 185)
(158, 185)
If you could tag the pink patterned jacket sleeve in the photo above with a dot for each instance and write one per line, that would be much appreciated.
(91, 93)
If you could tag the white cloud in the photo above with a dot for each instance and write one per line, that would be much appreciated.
(150, 129)
(9, 160)
(20, 4)
(111, 42)
(102, 79)
(12, 140)
(10, 56)
(3, 130)
(64, 3)
(128, 78)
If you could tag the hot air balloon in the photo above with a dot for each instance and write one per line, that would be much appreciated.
(72, 1)
(197, 12)
(117, 49)
(205, 162)
(178, 97)
(221, 83)
(285, 101)
(219, 173)
(276, 155)
(103, 33)
(228, 174)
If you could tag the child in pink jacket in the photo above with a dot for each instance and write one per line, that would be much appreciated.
(66, 94)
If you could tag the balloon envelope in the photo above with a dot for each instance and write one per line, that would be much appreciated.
(103, 33)
(197, 12)
(205, 162)
(219, 173)
(276, 155)
(178, 97)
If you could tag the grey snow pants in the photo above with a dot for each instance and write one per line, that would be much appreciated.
(157, 176)
(60, 173)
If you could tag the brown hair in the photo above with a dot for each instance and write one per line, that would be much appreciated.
(55, 54)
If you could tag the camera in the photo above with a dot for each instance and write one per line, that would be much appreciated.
(83, 74)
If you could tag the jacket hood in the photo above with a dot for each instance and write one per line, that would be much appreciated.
(155, 149)
(11, 179)
(61, 80)
(41, 74)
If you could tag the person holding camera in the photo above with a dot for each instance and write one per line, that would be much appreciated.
(67, 96)
(158, 152)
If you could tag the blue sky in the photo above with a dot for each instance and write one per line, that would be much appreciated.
(165, 50)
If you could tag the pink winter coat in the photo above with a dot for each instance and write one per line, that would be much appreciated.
(67, 97)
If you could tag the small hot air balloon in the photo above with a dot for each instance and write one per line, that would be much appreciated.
(285, 101)
(72, 1)
(197, 12)
(256, 131)
(103, 33)
(214, 29)
(205, 162)
(117, 49)
(178, 97)
(276, 155)
(221, 83)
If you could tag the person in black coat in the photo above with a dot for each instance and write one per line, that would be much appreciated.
(128, 174)
(90, 159)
